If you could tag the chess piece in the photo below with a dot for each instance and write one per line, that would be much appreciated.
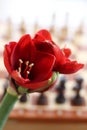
(23, 98)
(9, 30)
(63, 34)
(78, 100)
(22, 28)
(60, 98)
(42, 99)
(52, 27)
(79, 36)
(35, 26)
(80, 29)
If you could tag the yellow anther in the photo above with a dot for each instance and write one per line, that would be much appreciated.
(28, 72)
(20, 60)
(32, 64)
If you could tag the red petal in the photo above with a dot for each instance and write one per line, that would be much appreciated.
(66, 51)
(24, 50)
(43, 42)
(43, 35)
(27, 83)
(60, 58)
(36, 85)
(44, 87)
(17, 77)
(7, 53)
(42, 69)
(51, 48)
(70, 67)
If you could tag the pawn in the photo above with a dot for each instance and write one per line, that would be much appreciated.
(42, 99)
(79, 82)
(9, 29)
(60, 98)
(78, 100)
(23, 98)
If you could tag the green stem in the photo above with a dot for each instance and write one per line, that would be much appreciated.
(6, 107)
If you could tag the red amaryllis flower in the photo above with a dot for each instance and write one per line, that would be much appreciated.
(63, 64)
(33, 63)
(29, 67)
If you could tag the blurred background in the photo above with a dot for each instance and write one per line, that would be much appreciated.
(66, 20)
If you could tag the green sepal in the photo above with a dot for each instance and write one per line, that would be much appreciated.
(54, 77)
(22, 90)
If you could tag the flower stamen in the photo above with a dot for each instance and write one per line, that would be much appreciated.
(26, 68)
(20, 65)
(19, 70)
(27, 73)
(20, 61)
(27, 62)
(30, 66)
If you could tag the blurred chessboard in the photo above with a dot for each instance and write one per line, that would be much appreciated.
(52, 111)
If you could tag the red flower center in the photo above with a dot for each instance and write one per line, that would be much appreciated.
(25, 68)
